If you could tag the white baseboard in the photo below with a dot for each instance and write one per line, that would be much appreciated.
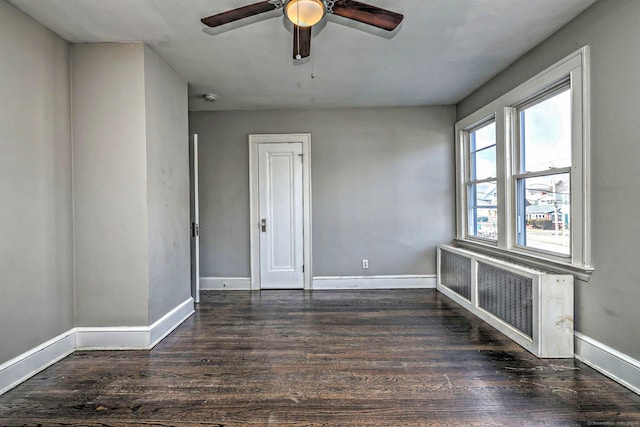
(170, 321)
(112, 338)
(133, 337)
(225, 283)
(612, 363)
(427, 281)
(26, 365)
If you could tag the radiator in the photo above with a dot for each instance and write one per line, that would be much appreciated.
(532, 307)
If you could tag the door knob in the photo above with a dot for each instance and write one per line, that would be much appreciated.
(263, 225)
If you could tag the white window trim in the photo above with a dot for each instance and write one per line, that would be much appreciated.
(467, 176)
(503, 109)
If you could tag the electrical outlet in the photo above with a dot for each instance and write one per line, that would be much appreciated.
(365, 263)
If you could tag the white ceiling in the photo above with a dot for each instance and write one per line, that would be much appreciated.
(443, 50)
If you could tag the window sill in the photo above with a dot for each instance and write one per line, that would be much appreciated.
(579, 272)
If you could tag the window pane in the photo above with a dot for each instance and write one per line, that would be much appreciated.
(545, 131)
(483, 214)
(544, 213)
(483, 152)
(483, 137)
(484, 162)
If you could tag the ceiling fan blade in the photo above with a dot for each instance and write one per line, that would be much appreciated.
(239, 13)
(368, 14)
(301, 42)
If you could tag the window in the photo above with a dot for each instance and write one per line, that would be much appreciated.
(481, 182)
(522, 171)
(542, 176)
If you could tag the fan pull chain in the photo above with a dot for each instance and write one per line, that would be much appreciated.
(298, 56)
(313, 73)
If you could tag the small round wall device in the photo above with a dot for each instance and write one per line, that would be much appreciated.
(210, 97)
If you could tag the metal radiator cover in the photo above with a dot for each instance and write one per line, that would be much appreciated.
(507, 295)
(455, 272)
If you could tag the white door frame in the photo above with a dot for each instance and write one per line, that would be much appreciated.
(254, 202)
(195, 224)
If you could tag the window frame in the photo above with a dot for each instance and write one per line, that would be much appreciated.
(519, 171)
(469, 179)
(573, 70)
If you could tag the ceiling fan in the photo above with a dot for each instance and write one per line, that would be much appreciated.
(304, 14)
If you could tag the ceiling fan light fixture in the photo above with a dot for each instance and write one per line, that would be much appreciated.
(304, 13)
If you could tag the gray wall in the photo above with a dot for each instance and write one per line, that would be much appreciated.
(109, 178)
(129, 129)
(383, 187)
(606, 306)
(36, 264)
(167, 132)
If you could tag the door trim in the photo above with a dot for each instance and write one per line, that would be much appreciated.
(195, 220)
(254, 205)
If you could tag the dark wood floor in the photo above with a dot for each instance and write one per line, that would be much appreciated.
(383, 358)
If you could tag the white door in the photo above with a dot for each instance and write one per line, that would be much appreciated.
(195, 224)
(281, 216)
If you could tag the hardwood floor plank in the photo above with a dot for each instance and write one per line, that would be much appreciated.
(352, 358)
